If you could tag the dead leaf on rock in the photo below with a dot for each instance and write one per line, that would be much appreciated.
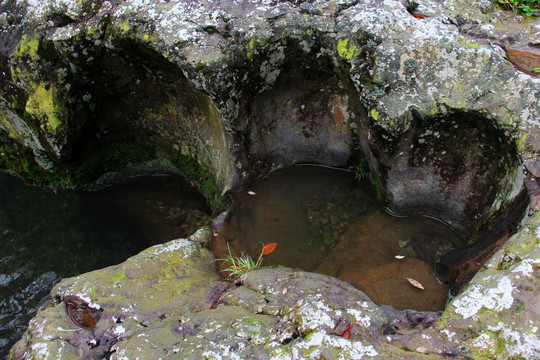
(80, 312)
(347, 333)
(415, 284)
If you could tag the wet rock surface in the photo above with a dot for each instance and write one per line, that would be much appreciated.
(119, 83)
(180, 308)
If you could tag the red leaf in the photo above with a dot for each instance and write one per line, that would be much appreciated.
(347, 333)
(267, 249)
(419, 16)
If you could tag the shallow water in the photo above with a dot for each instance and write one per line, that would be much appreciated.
(323, 220)
(45, 236)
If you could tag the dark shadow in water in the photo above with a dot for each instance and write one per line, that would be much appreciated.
(326, 221)
(45, 236)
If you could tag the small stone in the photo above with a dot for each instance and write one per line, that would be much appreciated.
(533, 167)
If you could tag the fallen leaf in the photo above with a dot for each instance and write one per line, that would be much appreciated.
(285, 291)
(399, 257)
(403, 243)
(415, 283)
(80, 312)
(252, 193)
(270, 219)
(347, 333)
(267, 249)
(419, 16)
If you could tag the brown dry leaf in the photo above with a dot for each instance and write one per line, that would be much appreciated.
(347, 333)
(415, 283)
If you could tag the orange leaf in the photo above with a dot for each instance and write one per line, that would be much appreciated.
(347, 333)
(419, 16)
(415, 283)
(267, 249)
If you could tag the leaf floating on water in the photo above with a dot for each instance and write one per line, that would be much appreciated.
(347, 333)
(80, 312)
(415, 284)
(269, 248)
(252, 193)
(399, 257)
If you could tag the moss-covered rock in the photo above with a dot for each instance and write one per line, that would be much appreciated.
(161, 282)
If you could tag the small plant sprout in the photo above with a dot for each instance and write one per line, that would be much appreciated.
(528, 8)
(242, 264)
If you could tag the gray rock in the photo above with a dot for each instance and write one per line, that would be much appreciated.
(224, 92)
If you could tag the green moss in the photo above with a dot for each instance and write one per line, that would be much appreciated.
(108, 30)
(12, 161)
(189, 168)
(379, 192)
(119, 277)
(347, 49)
(371, 83)
(472, 45)
(109, 159)
(203, 68)
(252, 45)
(359, 165)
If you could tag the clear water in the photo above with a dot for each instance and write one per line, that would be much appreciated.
(45, 236)
(326, 221)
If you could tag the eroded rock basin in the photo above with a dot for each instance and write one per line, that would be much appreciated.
(169, 302)
(327, 221)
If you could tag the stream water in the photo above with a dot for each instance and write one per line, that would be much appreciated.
(45, 236)
(324, 220)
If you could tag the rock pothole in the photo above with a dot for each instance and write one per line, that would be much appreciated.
(223, 97)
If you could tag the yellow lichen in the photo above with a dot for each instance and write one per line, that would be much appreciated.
(251, 48)
(124, 26)
(41, 104)
(374, 114)
(27, 46)
(347, 49)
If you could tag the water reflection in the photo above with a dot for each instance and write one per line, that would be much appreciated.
(325, 221)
